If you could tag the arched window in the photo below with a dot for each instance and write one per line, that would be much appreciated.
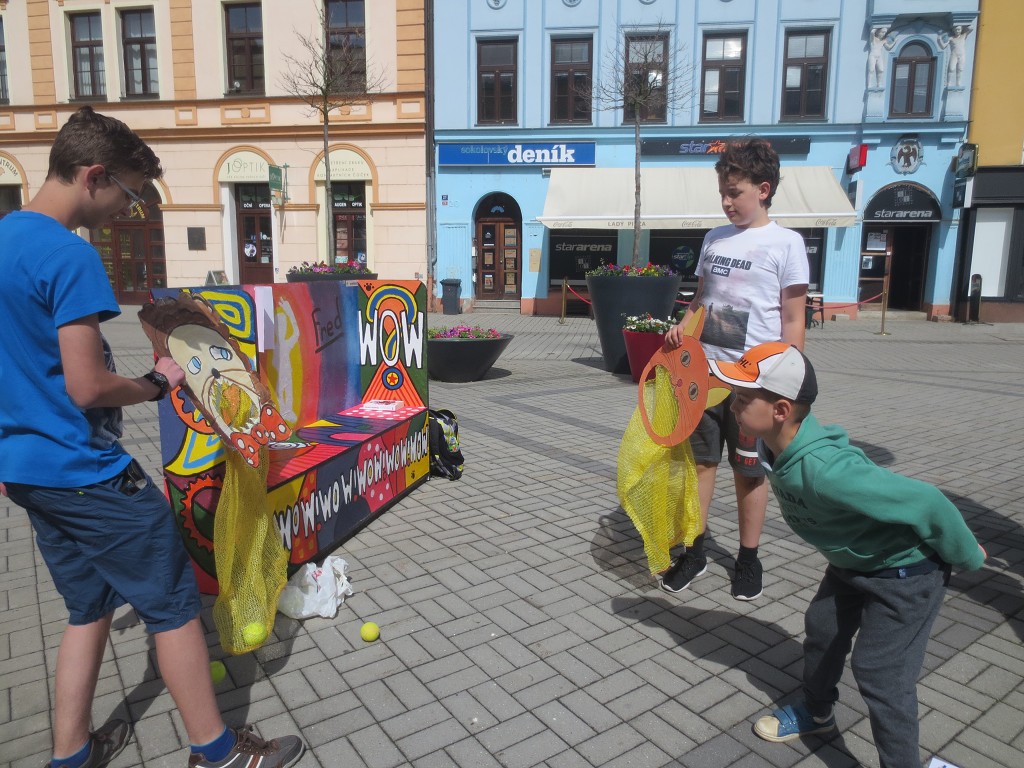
(913, 78)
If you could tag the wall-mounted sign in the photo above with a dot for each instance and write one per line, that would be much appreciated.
(906, 155)
(9, 173)
(573, 253)
(904, 203)
(244, 166)
(530, 154)
(346, 165)
(783, 145)
(967, 161)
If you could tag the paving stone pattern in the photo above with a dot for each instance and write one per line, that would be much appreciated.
(519, 625)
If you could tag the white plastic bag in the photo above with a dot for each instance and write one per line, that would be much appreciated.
(316, 590)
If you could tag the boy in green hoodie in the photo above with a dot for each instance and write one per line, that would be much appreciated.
(890, 542)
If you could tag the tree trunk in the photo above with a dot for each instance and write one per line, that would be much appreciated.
(636, 178)
(328, 197)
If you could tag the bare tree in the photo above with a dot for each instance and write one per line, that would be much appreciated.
(329, 74)
(647, 77)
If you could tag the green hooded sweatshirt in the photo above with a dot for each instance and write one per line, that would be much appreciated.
(859, 515)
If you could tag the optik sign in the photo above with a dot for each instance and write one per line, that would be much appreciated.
(511, 155)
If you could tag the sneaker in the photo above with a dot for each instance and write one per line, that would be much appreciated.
(792, 722)
(250, 751)
(105, 744)
(683, 571)
(746, 580)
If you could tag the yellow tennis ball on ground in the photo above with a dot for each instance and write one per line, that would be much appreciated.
(369, 632)
(217, 671)
(254, 634)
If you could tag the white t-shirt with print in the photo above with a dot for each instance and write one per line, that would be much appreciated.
(744, 272)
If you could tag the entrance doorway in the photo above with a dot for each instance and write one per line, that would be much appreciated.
(498, 248)
(255, 239)
(132, 250)
(910, 245)
(900, 254)
(349, 206)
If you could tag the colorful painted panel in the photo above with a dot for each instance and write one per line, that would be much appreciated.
(344, 363)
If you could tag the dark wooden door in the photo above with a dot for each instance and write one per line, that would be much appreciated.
(499, 259)
(255, 239)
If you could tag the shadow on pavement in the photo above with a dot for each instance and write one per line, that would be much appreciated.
(590, 362)
(998, 584)
(761, 649)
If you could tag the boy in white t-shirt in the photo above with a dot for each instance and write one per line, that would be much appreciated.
(752, 283)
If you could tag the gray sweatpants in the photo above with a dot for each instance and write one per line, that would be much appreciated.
(895, 617)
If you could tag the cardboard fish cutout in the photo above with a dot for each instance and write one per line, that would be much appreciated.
(694, 386)
(218, 376)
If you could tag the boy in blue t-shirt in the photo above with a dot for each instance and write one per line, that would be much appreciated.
(104, 529)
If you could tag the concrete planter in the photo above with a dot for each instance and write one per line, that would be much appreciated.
(462, 360)
(614, 297)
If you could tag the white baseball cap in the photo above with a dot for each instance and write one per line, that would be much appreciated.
(775, 366)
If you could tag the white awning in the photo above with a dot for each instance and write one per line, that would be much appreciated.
(685, 198)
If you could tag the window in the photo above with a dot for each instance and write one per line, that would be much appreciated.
(806, 74)
(138, 34)
(912, 77)
(644, 85)
(346, 24)
(571, 67)
(243, 32)
(87, 55)
(5, 96)
(724, 66)
(496, 81)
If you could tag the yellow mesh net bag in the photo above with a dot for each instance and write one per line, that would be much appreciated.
(252, 563)
(657, 484)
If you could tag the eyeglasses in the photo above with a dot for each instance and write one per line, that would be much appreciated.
(133, 198)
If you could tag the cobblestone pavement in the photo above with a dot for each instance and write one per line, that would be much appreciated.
(519, 624)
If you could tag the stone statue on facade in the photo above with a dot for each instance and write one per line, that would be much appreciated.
(880, 44)
(956, 41)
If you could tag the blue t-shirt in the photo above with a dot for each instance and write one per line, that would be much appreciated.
(51, 277)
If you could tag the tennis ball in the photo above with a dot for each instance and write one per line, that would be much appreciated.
(217, 671)
(369, 632)
(254, 634)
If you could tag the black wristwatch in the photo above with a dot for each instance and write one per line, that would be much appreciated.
(155, 377)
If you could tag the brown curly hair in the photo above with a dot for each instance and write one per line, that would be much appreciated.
(750, 158)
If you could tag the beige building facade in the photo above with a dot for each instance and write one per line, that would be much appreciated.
(205, 85)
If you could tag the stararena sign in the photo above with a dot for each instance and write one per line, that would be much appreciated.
(579, 153)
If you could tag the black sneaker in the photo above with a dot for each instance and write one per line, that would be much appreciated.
(105, 744)
(683, 571)
(746, 580)
(250, 751)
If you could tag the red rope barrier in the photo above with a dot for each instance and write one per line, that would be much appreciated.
(843, 306)
(577, 295)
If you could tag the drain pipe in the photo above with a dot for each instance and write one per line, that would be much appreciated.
(428, 48)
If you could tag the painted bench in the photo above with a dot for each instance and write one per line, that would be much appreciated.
(345, 363)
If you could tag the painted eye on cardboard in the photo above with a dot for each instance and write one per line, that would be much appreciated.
(194, 366)
(220, 353)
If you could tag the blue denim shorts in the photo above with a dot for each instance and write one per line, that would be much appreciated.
(110, 544)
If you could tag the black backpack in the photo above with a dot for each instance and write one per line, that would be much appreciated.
(445, 457)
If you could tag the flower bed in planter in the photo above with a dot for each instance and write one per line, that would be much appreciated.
(461, 353)
(307, 272)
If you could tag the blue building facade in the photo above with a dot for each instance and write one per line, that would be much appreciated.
(875, 90)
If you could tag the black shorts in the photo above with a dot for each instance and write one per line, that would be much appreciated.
(718, 428)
